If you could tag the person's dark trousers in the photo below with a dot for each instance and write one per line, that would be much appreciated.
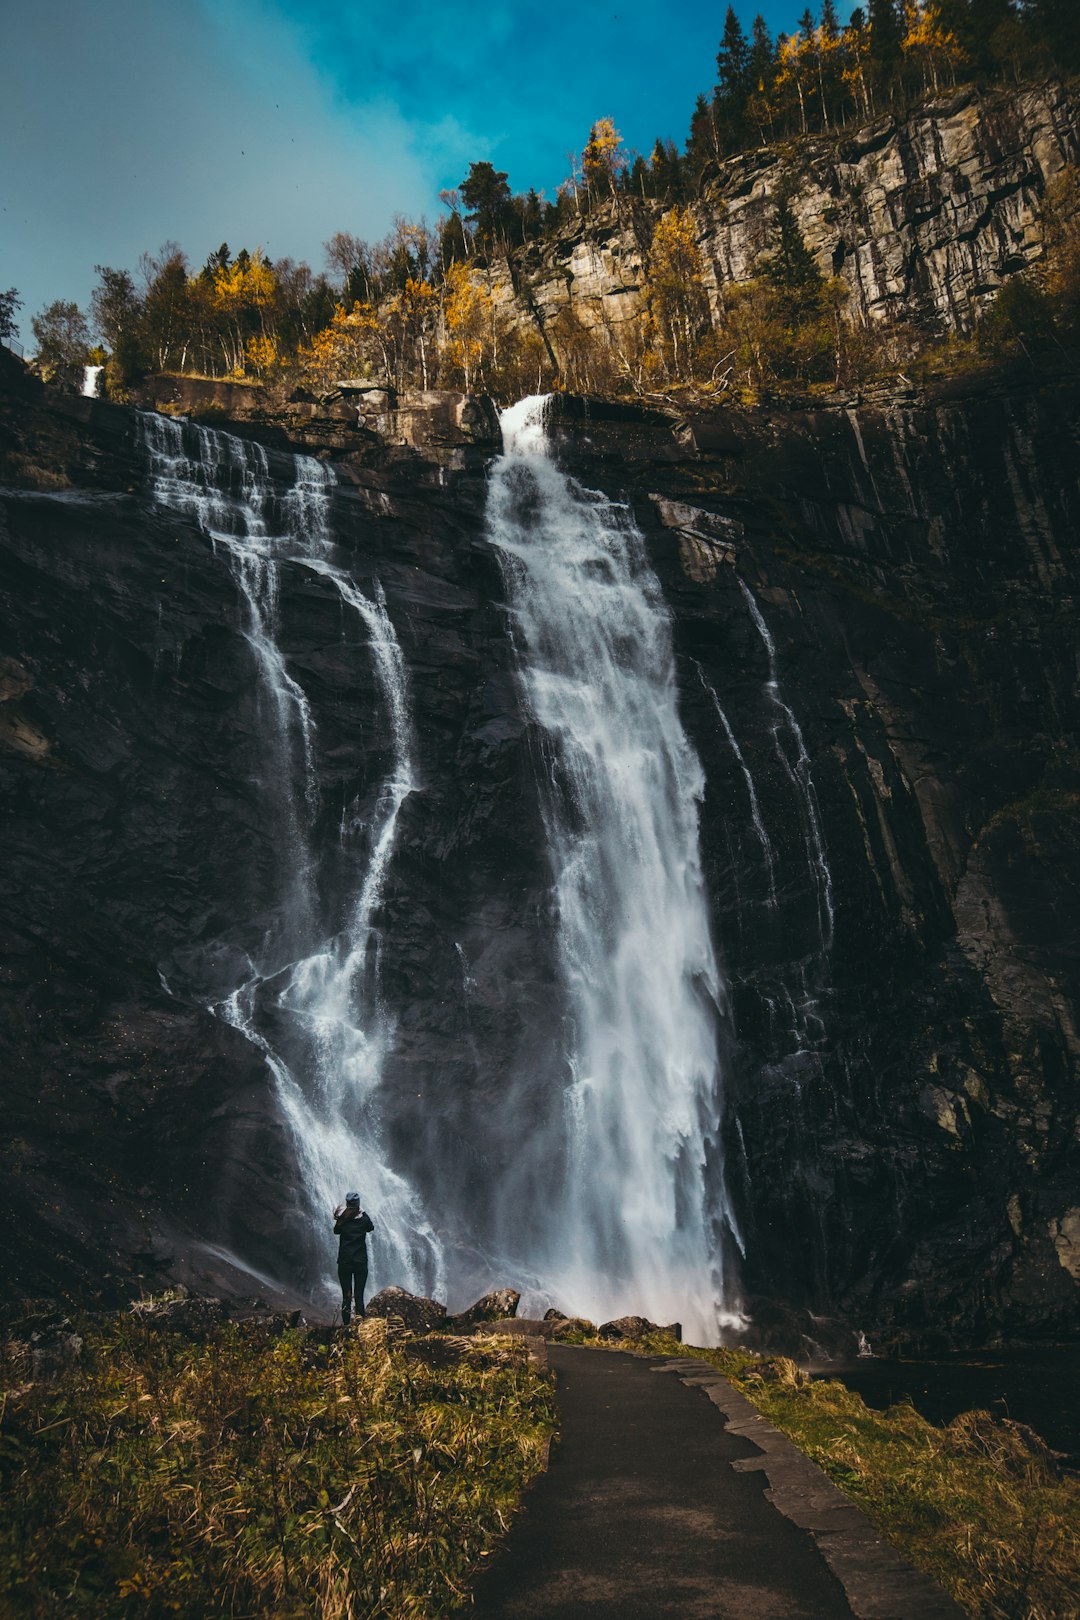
(352, 1277)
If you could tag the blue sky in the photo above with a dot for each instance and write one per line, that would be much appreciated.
(125, 123)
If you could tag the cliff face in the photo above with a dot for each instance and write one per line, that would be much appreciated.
(875, 629)
(922, 218)
(911, 1082)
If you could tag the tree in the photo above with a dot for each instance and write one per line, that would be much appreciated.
(928, 42)
(733, 81)
(733, 59)
(486, 196)
(9, 303)
(603, 159)
(115, 306)
(791, 267)
(886, 34)
(666, 166)
(762, 74)
(63, 340)
(678, 307)
(468, 312)
(857, 72)
(796, 72)
(167, 305)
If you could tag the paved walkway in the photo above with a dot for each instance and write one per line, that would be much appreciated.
(656, 1505)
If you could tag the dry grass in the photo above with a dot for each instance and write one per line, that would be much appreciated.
(261, 1473)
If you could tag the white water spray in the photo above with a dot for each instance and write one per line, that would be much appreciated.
(797, 770)
(641, 1216)
(321, 987)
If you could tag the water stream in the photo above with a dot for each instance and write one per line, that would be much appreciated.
(311, 1000)
(631, 1145)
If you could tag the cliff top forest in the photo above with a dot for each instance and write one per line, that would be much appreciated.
(449, 305)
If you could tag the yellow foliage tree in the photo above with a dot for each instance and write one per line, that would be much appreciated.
(796, 70)
(348, 347)
(603, 159)
(468, 314)
(675, 292)
(857, 70)
(929, 42)
(245, 293)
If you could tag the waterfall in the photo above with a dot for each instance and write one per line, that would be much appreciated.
(91, 374)
(768, 854)
(796, 766)
(638, 1218)
(310, 1002)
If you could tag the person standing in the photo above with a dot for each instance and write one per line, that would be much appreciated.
(352, 1225)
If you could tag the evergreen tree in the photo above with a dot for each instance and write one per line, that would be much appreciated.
(486, 195)
(791, 267)
(761, 76)
(886, 33)
(667, 171)
(9, 303)
(732, 60)
(1054, 27)
(702, 146)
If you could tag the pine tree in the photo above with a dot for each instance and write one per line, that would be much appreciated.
(733, 60)
(886, 33)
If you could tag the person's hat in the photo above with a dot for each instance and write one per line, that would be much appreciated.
(352, 1198)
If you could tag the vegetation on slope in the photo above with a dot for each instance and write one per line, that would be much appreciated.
(418, 308)
(251, 1471)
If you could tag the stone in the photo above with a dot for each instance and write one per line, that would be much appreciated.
(502, 1302)
(636, 1327)
(415, 1312)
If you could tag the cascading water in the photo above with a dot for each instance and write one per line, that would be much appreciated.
(768, 853)
(640, 1219)
(311, 1001)
(797, 770)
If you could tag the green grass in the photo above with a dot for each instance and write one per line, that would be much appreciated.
(261, 1473)
(974, 1503)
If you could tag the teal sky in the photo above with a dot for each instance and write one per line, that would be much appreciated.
(126, 123)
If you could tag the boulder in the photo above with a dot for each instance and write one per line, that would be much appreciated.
(493, 1307)
(637, 1327)
(415, 1312)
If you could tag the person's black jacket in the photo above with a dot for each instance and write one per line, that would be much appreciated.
(352, 1231)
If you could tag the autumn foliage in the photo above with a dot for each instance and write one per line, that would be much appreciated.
(442, 306)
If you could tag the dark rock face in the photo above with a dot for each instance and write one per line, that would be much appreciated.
(901, 1079)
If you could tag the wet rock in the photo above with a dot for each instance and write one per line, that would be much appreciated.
(636, 1327)
(414, 1311)
(502, 1302)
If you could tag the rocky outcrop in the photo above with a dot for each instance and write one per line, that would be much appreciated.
(901, 1049)
(923, 217)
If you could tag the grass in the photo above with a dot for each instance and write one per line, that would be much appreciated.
(248, 1471)
(260, 1472)
(978, 1504)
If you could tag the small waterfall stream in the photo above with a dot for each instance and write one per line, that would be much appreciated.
(315, 981)
(639, 1219)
